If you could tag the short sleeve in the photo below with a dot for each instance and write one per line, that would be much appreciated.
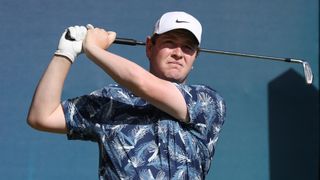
(206, 110)
(81, 115)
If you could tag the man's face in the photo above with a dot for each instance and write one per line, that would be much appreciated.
(172, 55)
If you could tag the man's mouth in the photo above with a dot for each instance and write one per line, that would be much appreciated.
(176, 63)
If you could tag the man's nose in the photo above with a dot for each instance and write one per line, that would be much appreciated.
(177, 52)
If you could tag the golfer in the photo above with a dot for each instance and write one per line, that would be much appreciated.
(150, 124)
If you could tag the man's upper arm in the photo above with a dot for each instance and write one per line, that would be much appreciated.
(56, 122)
(167, 97)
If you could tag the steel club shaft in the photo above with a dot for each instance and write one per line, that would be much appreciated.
(306, 67)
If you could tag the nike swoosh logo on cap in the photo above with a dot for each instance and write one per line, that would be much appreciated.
(178, 21)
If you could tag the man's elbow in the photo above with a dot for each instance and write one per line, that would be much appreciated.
(184, 117)
(32, 122)
(35, 122)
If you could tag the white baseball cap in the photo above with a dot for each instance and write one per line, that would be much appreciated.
(178, 20)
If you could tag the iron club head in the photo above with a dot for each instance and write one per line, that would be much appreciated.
(307, 72)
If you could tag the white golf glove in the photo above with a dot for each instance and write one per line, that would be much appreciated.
(70, 46)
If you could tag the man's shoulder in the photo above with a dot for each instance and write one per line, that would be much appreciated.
(107, 89)
(196, 88)
(118, 93)
(196, 91)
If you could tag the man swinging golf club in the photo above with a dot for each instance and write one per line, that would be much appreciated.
(151, 124)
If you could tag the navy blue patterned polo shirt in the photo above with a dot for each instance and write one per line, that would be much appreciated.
(138, 141)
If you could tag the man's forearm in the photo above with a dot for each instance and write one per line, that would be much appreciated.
(161, 93)
(47, 96)
(123, 71)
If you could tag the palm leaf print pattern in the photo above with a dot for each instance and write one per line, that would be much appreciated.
(138, 141)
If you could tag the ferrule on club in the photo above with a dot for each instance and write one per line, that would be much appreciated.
(295, 60)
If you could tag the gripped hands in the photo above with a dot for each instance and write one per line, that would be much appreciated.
(97, 38)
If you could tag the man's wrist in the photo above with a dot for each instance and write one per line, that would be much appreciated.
(69, 56)
(64, 57)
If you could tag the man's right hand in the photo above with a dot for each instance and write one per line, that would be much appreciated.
(71, 46)
(97, 38)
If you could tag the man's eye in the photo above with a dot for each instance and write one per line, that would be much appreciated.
(189, 49)
(169, 43)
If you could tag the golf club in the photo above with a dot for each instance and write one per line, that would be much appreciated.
(306, 67)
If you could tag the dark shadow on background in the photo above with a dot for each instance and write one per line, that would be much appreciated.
(293, 128)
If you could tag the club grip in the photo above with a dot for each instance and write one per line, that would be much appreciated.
(124, 41)
(127, 41)
(67, 36)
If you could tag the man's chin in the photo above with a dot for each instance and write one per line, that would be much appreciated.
(179, 80)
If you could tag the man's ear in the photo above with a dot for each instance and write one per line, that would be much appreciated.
(148, 47)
